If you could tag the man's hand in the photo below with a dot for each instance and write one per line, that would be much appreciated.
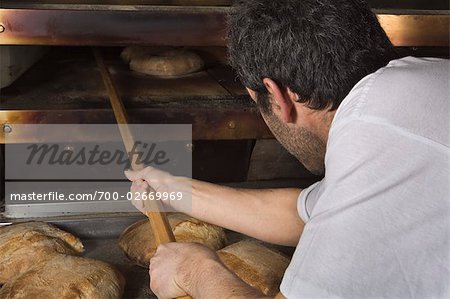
(158, 182)
(176, 268)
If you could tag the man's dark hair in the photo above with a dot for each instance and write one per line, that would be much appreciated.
(318, 48)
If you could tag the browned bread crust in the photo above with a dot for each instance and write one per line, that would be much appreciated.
(37, 260)
(24, 244)
(256, 264)
(66, 277)
(162, 61)
(138, 243)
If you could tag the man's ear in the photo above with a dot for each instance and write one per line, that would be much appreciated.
(283, 98)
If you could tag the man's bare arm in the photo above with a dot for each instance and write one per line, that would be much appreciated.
(223, 284)
(178, 269)
(266, 214)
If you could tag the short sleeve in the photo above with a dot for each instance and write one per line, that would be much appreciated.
(306, 201)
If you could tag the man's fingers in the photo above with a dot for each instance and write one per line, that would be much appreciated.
(148, 173)
(160, 248)
(134, 175)
(137, 188)
(152, 263)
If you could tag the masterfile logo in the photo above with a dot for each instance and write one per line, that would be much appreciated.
(84, 165)
(94, 155)
(95, 152)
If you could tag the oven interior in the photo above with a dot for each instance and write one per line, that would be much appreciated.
(49, 76)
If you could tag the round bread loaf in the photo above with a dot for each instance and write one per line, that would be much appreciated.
(24, 244)
(162, 61)
(138, 243)
(66, 276)
(37, 261)
(256, 264)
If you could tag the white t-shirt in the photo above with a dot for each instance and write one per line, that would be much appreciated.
(377, 225)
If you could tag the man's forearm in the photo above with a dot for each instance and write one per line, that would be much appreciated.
(221, 284)
(268, 214)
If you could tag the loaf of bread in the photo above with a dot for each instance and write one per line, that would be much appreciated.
(38, 260)
(162, 61)
(65, 276)
(24, 244)
(259, 266)
(138, 243)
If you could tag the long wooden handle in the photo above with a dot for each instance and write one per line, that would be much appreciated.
(160, 225)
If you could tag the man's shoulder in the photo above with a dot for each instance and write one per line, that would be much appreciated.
(409, 94)
(412, 77)
(406, 80)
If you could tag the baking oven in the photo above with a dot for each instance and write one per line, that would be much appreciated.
(50, 77)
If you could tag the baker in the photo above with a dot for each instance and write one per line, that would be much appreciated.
(328, 84)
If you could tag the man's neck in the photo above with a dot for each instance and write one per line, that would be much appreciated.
(323, 120)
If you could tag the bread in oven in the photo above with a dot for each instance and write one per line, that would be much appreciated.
(24, 244)
(256, 264)
(66, 276)
(138, 243)
(162, 61)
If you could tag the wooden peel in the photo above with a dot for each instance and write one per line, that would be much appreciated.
(158, 220)
(160, 225)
